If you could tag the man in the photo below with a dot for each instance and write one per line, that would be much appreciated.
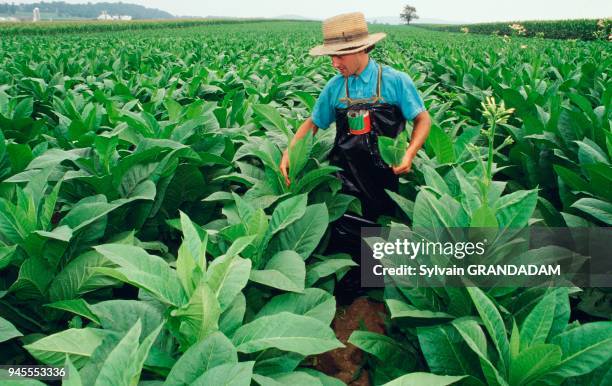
(365, 100)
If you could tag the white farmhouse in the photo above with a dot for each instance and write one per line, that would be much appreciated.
(105, 16)
(36, 15)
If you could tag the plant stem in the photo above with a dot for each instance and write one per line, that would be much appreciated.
(489, 177)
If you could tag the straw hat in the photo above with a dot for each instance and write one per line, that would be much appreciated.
(346, 34)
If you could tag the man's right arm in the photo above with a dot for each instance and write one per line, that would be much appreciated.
(299, 134)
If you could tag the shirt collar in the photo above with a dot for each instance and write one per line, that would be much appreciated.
(368, 72)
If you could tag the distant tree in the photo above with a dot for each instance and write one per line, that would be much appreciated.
(409, 14)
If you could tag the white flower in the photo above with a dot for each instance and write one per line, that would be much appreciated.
(519, 29)
(495, 113)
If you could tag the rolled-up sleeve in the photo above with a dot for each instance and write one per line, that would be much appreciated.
(410, 102)
(323, 113)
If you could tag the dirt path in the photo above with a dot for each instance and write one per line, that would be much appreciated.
(345, 363)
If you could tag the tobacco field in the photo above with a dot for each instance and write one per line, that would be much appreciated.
(147, 237)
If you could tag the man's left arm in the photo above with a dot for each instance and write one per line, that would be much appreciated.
(420, 131)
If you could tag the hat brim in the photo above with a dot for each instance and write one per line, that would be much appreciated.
(348, 47)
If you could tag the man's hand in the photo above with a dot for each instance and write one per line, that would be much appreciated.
(406, 164)
(300, 133)
(422, 124)
(284, 167)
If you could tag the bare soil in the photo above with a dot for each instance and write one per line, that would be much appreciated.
(345, 363)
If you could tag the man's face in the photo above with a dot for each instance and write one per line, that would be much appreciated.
(348, 64)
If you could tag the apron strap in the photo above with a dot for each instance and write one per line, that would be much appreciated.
(375, 99)
(378, 82)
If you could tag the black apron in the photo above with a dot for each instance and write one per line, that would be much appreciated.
(364, 174)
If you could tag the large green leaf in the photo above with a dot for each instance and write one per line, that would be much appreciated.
(196, 246)
(389, 352)
(119, 367)
(433, 213)
(121, 315)
(446, 352)
(325, 380)
(329, 266)
(53, 157)
(599, 209)
(240, 244)
(285, 271)
(533, 363)
(145, 271)
(6, 255)
(295, 378)
(87, 211)
(590, 153)
(572, 179)
(7, 330)
(200, 317)
(434, 181)
(313, 178)
(401, 310)
(232, 317)
(515, 209)
(271, 114)
(441, 144)
(484, 217)
(304, 235)
(288, 332)
(561, 315)
(475, 338)
(227, 276)
(79, 277)
(537, 325)
(275, 361)
(124, 363)
(493, 322)
(393, 150)
(211, 352)
(287, 212)
(12, 221)
(404, 204)
(314, 302)
(418, 379)
(33, 280)
(470, 196)
(73, 378)
(76, 306)
(79, 344)
(299, 154)
(191, 261)
(230, 374)
(584, 348)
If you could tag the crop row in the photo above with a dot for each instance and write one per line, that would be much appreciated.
(84, 26)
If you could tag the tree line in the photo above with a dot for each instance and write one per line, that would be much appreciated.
(88, 11)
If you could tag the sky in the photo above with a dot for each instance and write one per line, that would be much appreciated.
(448, 10)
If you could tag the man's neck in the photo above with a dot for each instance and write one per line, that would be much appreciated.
(363, 65)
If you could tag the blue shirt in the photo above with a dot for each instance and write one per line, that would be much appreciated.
(397, 88)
